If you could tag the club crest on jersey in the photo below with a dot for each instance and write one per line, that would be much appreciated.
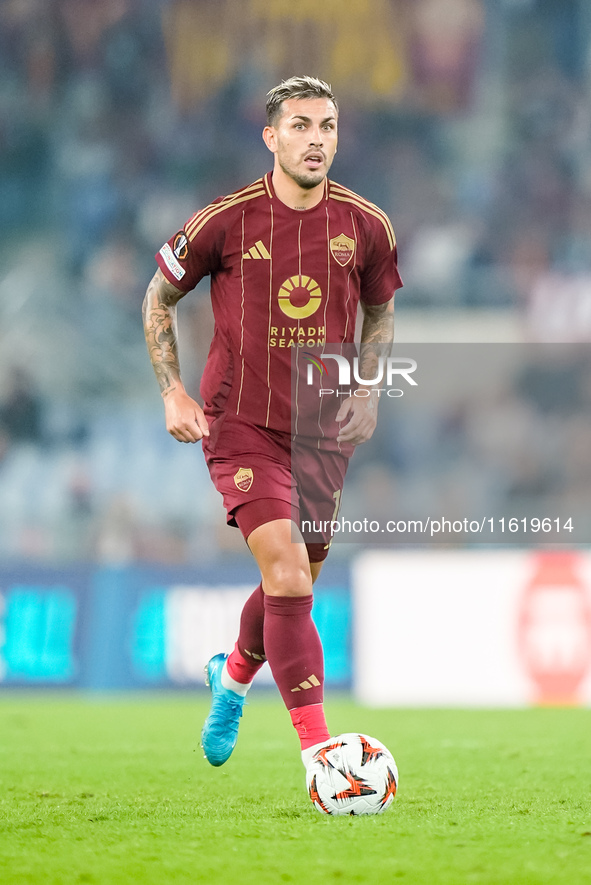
(243, 478)
(342, 248)
(180, 246)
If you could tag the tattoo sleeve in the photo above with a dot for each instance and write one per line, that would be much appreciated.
(377, 335)
(160, 328)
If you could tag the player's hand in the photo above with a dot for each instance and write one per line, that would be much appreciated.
(185, 419)
(361, 416)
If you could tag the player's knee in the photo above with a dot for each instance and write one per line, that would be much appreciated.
(287, 579)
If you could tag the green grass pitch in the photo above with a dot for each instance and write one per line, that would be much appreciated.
(115, 789)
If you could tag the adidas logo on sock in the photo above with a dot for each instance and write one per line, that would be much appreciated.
(259, 250)
(310, 682)
(254, 655)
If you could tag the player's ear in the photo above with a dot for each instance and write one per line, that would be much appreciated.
(270, 138)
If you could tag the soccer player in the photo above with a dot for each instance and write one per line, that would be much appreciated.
(290, 258)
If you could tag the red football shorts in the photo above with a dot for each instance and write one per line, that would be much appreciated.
(262, 476)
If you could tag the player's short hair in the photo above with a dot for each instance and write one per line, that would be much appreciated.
(296, 87)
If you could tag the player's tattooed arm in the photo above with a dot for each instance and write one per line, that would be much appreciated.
(184, 417)
(160, 328)
(377, 335)
(358, 415)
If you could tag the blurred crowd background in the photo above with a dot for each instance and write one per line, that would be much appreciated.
(468, 121)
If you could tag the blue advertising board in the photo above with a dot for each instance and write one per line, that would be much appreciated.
(110, 628)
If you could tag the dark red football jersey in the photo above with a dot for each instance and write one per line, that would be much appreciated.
(280, 279)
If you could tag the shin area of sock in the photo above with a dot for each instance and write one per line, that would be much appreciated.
(250, 636)
(294, 650)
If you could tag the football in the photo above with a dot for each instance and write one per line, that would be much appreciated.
(352, 774)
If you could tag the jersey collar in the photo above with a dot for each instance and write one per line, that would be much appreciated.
(268, 183)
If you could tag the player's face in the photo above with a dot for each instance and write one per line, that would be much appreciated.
(305, 139)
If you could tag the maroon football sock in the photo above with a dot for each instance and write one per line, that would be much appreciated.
(249, 652)
(294, 650)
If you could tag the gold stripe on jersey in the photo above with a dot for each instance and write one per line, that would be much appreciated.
(211, 211)
(346, 196)
(356, 240)
(200, 220)
(270, 309)
(243, 190)
(193, 227)
(241, 322)
(267, 188)
(303, 280)
(345, 191)
(321, 433)
(224, 201)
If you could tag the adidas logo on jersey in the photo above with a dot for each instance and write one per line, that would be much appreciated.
(259, 250)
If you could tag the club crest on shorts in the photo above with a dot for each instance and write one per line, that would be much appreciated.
(342, 248)
(243, 478)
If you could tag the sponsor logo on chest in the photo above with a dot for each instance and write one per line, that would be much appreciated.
(299, 297)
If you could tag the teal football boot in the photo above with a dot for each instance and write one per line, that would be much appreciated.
(220, 731)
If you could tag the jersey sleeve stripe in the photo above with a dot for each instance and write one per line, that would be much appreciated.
(243, 190)
(214, 208)
(345, 192)
(346, 196)
(201, 219)
(220, 202)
